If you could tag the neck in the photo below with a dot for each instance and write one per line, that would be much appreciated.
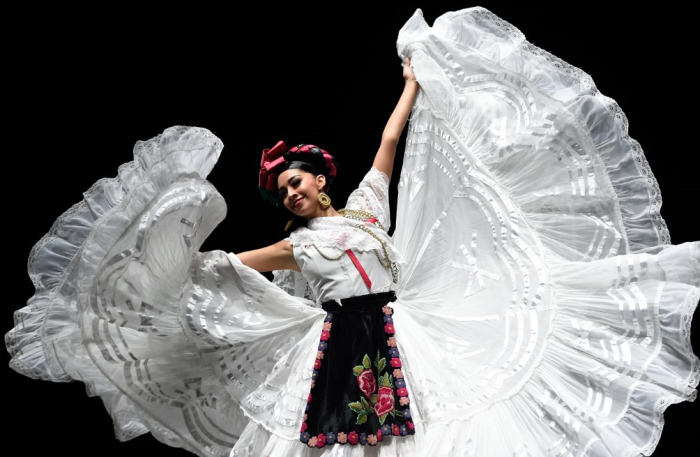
(328, 212)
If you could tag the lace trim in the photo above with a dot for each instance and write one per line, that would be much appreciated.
(531, 51)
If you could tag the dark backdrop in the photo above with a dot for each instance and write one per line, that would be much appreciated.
(82, 85)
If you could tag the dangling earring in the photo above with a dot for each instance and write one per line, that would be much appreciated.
(289, 224)
(324, 200)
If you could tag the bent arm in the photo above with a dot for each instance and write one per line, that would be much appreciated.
(278, 256)
(384, 160)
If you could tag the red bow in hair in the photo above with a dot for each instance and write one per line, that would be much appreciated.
(270, 159)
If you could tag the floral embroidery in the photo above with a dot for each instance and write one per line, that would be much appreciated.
(378, 401)
(378, 392)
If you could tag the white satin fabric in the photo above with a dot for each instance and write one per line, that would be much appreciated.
(541, 307)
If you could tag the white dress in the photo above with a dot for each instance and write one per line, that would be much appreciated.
(540, 305)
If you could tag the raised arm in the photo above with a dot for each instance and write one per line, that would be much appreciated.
(384, 160)
(278, 256)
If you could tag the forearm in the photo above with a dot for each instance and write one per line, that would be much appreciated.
(384, 160)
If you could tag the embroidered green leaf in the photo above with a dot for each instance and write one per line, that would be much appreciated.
(397, 413)
(384, 380)
(365, 406)
(366, 362)
(356, 407)
(382, 418)
(357, 370)
(373, 399)
(361, 418)
(381, 365)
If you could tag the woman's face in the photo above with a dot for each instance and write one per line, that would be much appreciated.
(298, 190)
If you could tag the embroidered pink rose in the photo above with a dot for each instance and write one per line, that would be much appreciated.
(327, 326)
(342, 437)
(395, 362)
(387, 310)
(385, 401)
(312, 441)
(353, 438)
(380, 435)
(403, 401)
(319, 354)
(389, 328)
(367, 383)
(371, 440)
(394, 430)
(402, 392)
(317, 364)
(398, 373)
(303, 427)
(410, 425)
(325, 335)
(391, 342)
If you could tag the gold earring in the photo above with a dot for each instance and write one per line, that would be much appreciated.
(289, 224)
(324, 200)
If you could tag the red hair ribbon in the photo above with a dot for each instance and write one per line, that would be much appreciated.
(270, 159)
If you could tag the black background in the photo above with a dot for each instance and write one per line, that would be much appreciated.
(83, 85)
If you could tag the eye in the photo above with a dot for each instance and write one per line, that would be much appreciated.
(296, 182)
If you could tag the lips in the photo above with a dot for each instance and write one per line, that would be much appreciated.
(297, 203)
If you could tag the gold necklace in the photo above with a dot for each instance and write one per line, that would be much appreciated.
(361, 215)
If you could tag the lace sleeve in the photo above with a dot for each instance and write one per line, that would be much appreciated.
(372, 195)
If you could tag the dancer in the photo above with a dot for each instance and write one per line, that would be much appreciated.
(530, 299)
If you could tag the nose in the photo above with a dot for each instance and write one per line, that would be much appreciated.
(291, 196)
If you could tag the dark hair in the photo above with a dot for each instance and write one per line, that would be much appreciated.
(299, 165)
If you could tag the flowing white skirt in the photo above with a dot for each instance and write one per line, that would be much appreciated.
(542, 308)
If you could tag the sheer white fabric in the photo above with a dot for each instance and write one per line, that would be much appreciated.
(541, 307)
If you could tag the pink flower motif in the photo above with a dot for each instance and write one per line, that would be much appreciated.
(320, 440)
(391, 342)
(327, 326)
(402, 392)
(353, 437)
(342, 437)
(303, 427)
(387, 310)
(410, 425)
(317, 364)
(403, 401)
(396, 362)
(371, 440)
(306, 416)
(389, 328)
(367, 383)
(313, 383)
(395, 430)
(325, 335)
(312, 441)
(380, 435)
(398, 373)
(309, 399)
(385, 401)
(319, 355)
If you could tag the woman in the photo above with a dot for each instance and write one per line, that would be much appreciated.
(539, 307)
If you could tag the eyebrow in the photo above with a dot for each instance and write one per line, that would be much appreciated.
(288, 181)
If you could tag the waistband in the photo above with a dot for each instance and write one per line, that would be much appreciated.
(359, 302)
